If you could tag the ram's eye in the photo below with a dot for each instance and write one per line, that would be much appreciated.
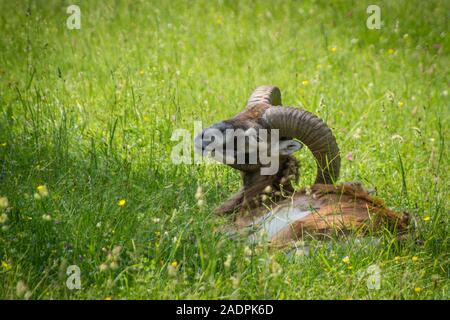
(288, 147)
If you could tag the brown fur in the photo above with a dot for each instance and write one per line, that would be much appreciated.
(248, 199)
(336, 208)
(340, 209)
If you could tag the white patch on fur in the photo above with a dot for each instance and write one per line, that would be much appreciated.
(275, 221)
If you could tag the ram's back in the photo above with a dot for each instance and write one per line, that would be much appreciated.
(324, 210)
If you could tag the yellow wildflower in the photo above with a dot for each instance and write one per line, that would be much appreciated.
(141, 72)
(174, 263)
(397, 259)
(3, 218)
(414, 259)
(305, 82)
(42, 191)
(333, 49)
(401, 104)
(417, 289)
(121, 203)
(108, 298)
(6, 265)
(171, 270)
(4, 202)
(391, 51)
(346, 260)
(426, 218)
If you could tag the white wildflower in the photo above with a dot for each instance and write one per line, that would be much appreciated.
(227, 262)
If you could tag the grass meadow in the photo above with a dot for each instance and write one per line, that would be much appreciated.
(87, 115)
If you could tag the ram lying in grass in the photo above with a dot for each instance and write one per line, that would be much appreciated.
(268, 205)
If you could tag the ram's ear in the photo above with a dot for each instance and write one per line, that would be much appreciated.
(288, 147)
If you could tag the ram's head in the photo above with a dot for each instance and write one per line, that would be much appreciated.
(256, 122)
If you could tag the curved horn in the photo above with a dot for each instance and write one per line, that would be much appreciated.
(265, 94)
(312, 132)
